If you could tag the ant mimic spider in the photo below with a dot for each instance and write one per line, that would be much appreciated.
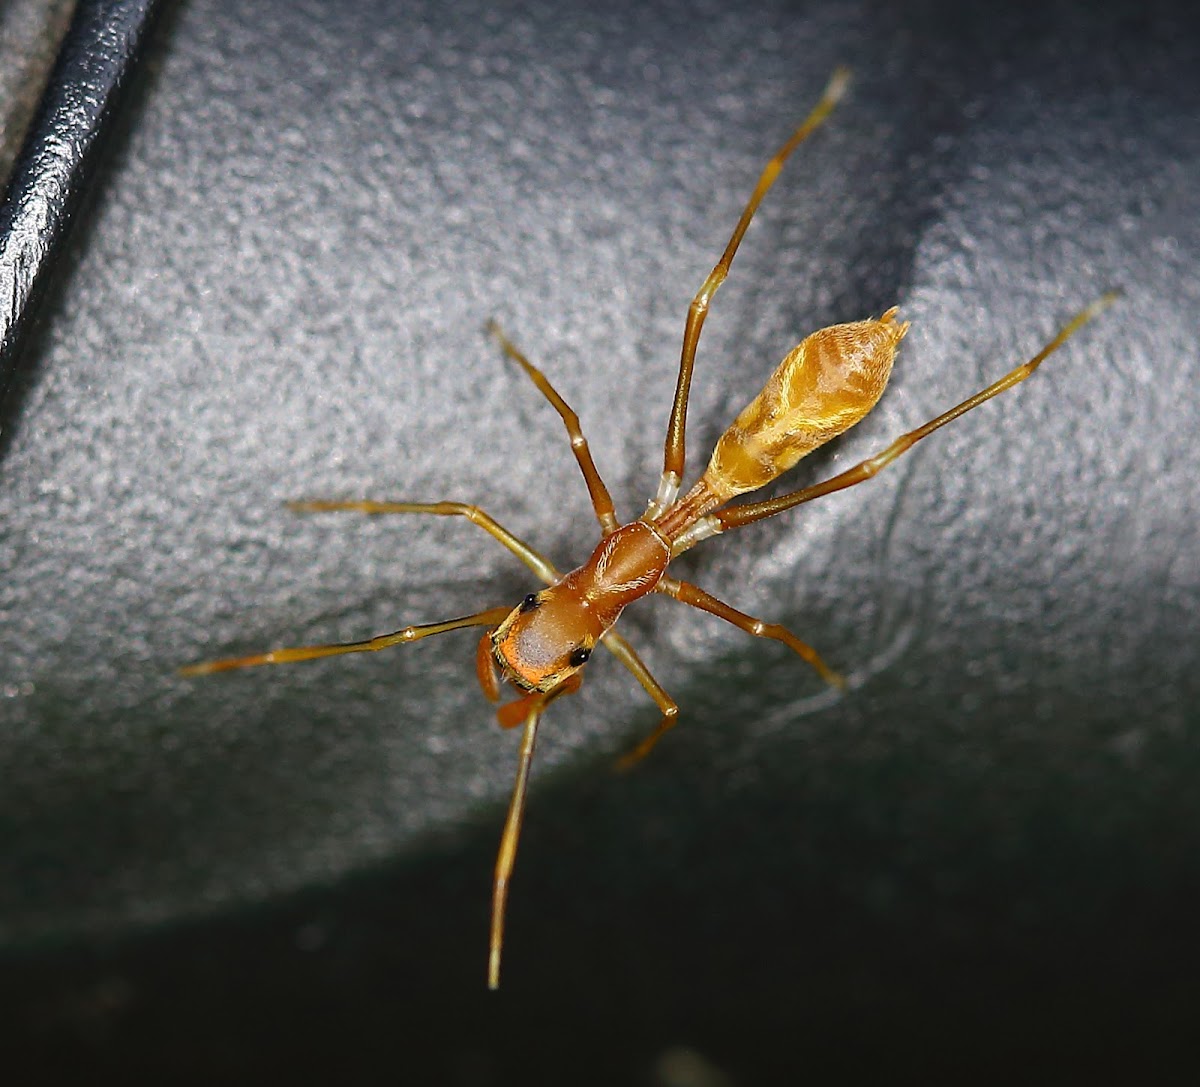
(822, 388)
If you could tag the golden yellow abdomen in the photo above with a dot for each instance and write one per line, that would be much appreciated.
(820, 390)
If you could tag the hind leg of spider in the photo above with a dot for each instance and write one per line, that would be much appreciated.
(695, 597)
(540, 566)
(623, 651)
(507, 855)
(601, 500)
(371, 645)
(673, 451)
(734, 516)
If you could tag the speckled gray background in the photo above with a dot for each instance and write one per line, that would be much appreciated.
(280, 292)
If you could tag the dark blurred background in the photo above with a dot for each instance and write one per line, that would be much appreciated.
(982, 862)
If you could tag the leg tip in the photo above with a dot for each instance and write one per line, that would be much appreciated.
(838, 82)
(631, 758)
(836, 679)
(206, 668)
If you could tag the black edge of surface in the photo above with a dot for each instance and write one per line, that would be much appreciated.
(98, 54)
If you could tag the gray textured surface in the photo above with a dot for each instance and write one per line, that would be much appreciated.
(30, 31)
(282, 294)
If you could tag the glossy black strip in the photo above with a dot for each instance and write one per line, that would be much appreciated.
(52, 170)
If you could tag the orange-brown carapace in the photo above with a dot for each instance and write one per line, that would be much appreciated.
(550, 635)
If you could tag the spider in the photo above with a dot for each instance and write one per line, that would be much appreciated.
(822, 388)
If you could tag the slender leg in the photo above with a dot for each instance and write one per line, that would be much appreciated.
(371, 645)
(756, 511)
(540, 566)
(507, 855)
(673, 454)
(686, 593)
(601, 501)
(623, 651)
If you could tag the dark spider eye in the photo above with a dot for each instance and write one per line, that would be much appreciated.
(530, 602)
(579, 656)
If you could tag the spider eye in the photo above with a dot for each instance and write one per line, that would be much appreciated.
(530, 602)
(579, 656)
